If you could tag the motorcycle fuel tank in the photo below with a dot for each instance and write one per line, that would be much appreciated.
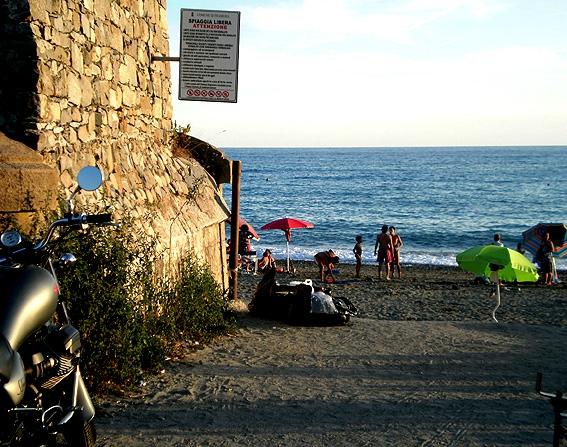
(28, 298)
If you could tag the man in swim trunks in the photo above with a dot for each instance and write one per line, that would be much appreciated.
(384, 249)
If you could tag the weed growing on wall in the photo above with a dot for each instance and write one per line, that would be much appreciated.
(129, 319)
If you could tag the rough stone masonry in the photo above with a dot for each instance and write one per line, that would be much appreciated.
(78, 86)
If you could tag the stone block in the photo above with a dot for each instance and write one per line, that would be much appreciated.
(86, 91)
(107, 67)
(84, 134)
(115, 38)
(39, 11)
(72, 136)
(129, 97)
(54, 111)
(102, 9)
(74, 92)
(77, 58)
(60, 39)
(26, 182)
(85, 25)
(76, 21)
(66, 180)
(43, 109)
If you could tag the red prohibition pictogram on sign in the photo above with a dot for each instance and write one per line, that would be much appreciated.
(224, 94)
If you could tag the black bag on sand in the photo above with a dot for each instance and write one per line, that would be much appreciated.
(298, 304)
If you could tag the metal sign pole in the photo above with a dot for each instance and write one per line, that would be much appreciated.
(234, 228)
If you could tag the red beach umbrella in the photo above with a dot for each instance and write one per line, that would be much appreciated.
(243, 221)
(286, 224)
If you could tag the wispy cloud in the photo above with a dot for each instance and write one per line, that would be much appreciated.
(325, 21)
(440, 8)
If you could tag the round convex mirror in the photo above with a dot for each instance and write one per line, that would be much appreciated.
(89, 178)
(10, 238)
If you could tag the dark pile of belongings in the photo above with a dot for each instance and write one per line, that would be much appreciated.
(299, 303)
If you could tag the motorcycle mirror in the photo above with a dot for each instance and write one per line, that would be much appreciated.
(89, 178)
(10, 238)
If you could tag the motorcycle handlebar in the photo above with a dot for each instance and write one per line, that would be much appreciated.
(73, 220)
(98, 218)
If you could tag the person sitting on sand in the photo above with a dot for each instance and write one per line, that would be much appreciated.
(267, 262)
(383, 248)
(498, 240)
(357, 250)
(397, 244)
(326, 261)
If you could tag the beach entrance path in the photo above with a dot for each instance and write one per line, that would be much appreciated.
(374, 383)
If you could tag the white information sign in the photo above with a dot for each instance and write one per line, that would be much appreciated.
(208, 65)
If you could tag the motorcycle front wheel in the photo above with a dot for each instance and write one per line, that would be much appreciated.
(80, 434)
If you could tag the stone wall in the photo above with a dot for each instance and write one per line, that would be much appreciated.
(79, 87)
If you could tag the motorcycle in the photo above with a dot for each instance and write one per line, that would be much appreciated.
(43, 398)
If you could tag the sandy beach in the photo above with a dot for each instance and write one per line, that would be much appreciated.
(423, 364)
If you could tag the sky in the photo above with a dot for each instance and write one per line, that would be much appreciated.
(383, 73)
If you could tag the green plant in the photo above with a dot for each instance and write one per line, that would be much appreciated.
(199, 309)
(129, 320)
(100, 295)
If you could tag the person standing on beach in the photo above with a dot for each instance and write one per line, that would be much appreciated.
(397, 244)
(546, 259)
(326, 261)
(357, 250)
(383, 248)
(245, 250)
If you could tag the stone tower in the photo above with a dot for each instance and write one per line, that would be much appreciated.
(78, 87)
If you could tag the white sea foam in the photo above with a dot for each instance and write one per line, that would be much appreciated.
(442, 200)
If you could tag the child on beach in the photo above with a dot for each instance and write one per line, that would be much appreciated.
(357, 250)
(383, 248)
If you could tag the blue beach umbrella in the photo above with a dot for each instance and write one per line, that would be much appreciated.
(533, 237)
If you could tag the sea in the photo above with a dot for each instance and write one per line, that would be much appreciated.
(442, 200)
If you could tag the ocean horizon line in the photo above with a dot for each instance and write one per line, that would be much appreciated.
(539, 146)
